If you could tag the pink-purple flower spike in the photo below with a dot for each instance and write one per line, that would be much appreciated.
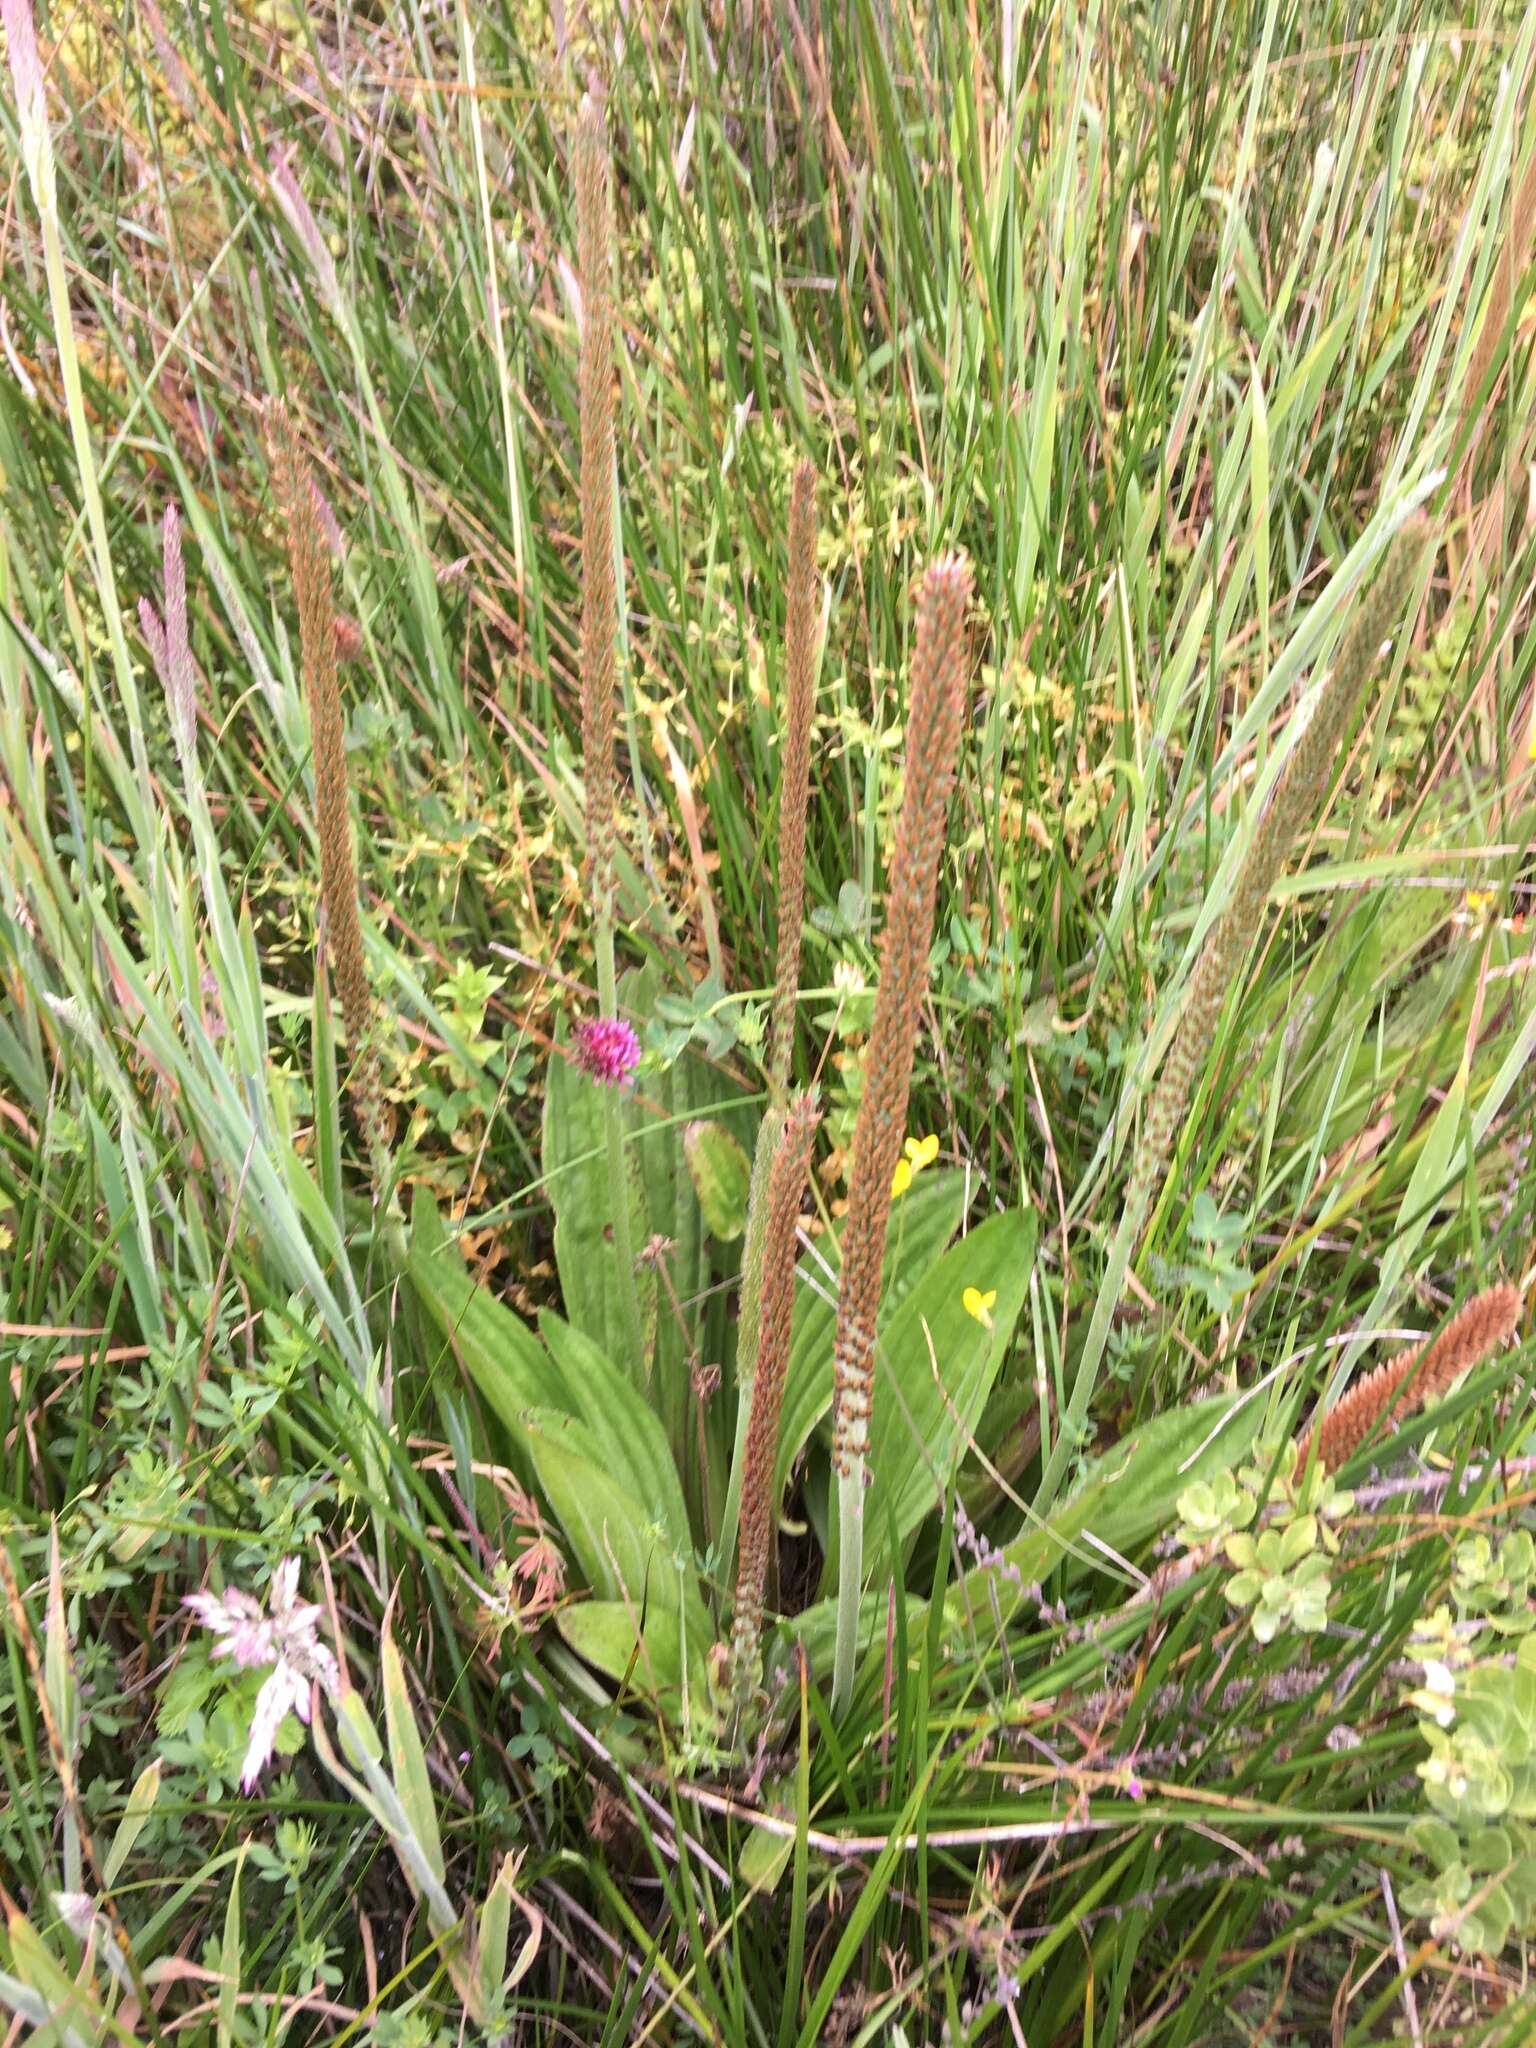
(607, 1049)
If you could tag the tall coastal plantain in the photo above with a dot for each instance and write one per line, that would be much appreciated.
(794, 795)
(933, 743)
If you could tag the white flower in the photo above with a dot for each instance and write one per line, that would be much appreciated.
(1437, 1696)
(285, 1636)
(284, 1692)
(77, 1910)
(248, 1636)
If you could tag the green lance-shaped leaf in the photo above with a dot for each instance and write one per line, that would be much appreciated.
(407, 1758)
(141, 1803)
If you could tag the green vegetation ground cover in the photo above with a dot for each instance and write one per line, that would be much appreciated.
(1163, 318)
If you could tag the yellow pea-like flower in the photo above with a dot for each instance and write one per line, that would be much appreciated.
(979, 1305)
(901, 1179)
(922, 1152)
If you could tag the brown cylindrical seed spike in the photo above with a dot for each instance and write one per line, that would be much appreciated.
(795, 769)
(769, 1133)
(599, 600)
(1413, 1379)
(309, 565)
(933, 741)
(786, 1185)
(1293, 806)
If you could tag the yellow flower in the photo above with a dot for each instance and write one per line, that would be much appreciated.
(918, 1153)
(980, 1305)
(1479, 900)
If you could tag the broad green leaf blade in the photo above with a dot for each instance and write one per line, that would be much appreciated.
(231, 1958)
(935, 1362)
(565, 1378)
(603, 1632)
(621, 1544)
(375, 1791)
(626, 1432)
(492, 1978)
(1148, 1471)
(508, 1364)
(690, 1088)
(141, 1802)
(575, 1163)
(74, 2012)
(491, 1944)
(721, 1173)
(58, 1662)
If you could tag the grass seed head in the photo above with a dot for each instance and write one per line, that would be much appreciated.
(1293, 808)
(309, 565)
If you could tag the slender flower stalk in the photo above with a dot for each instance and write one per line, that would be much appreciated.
(933, 742)
(599, 597)
(309, 564)
(599, 629)
(794, 790)
(1413, 1379)
(786, 1185)
(795, 770)
(1294, 804)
